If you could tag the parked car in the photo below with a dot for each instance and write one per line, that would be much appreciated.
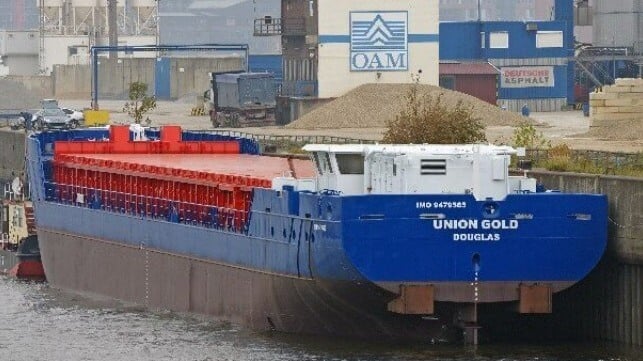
(53, 118)
(76, 115)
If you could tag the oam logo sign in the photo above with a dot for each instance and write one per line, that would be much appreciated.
(379, 41)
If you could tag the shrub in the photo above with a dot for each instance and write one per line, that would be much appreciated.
(426, 119)
(526, 136)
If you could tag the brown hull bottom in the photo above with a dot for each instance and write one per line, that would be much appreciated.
(257, 300)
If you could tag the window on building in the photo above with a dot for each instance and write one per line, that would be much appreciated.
(483, 41)
(549, 39)
(499, 40)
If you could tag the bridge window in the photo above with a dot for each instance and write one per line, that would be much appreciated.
(350, 163)
(322, 161)
(317, 162)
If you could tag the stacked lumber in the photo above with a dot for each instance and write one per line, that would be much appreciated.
(617, 103)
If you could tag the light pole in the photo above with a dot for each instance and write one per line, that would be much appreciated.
(614, 58)
(158, 27)
(479, 11)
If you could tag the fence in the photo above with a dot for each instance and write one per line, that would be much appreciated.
(610, 161)
(298, 139)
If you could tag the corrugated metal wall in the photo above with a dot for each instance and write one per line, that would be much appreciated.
(299, 77)
(535, 105)
(266, 63)
(538, 99)
(619, 23)
(484, 87)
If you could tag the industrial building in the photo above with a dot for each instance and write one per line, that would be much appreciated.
(67, 29)
(609, 38)
(550, 53)
(63, 31)
(321, 48)
(534, 57)
(330, 47)
(531, 42)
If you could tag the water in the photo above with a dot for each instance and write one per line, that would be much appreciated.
(39, 323)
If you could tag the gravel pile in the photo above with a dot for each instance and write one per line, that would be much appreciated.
(622, 130)
(14, 96)
(372, 105)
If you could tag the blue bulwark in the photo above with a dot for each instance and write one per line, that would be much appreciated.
(379, 41)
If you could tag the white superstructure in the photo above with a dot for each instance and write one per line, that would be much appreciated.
(479, 170)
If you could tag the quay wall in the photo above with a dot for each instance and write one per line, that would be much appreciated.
(608, 304)
(12, 154)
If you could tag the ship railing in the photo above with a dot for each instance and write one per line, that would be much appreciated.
(151, 207)
(16, 192)
(4, 241)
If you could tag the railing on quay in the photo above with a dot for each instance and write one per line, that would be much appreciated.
(204, 215)
(299, 139)
(611, 161)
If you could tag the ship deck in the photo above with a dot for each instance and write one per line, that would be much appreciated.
(257, 166)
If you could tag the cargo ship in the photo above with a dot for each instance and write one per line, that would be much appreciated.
(363, 240)
(19, 251)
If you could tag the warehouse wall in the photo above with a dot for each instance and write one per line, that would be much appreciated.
(346, 62)
(187, 76)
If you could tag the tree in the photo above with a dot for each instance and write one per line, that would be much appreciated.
(426, 119)
(140, 103)
(526, 135)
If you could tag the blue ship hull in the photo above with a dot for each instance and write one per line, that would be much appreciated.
(322, 263)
